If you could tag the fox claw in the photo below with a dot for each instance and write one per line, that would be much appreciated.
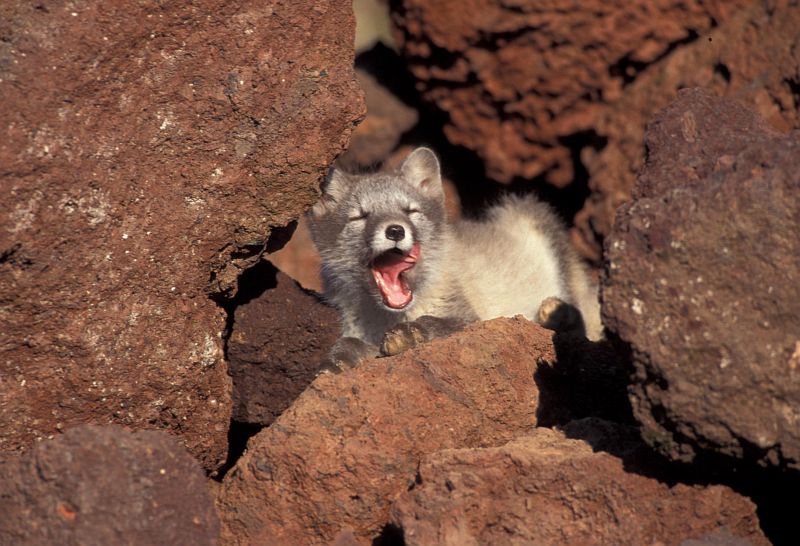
(401, 338)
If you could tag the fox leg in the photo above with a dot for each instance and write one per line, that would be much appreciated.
(346, 353)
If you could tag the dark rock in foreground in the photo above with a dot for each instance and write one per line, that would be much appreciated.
(97, 486)
(546, 489)
(701, 282)
(276, 345)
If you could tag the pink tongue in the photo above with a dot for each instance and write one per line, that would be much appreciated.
(386, 271)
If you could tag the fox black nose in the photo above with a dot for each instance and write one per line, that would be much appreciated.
(395, 232)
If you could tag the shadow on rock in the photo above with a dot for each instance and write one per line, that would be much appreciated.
(587, 379)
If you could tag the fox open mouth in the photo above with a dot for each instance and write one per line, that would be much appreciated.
(387, 270)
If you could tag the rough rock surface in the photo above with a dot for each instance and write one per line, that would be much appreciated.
(753, 56)
(719, 538)
(700, 282)
(147, 152)
(105, 485)
(519, 78)
(547, 489)
(336, 459)
(277, 343)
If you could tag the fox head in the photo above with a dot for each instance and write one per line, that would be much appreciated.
(379, 234)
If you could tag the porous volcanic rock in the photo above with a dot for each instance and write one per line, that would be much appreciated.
(336, 459)
(277, 343)
(147, 152)
(717, 538)
(547, 489)
(753, 56)
(700, 282)
(521, 79)
(99, 485)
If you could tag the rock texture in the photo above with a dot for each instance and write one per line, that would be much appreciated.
(546, 489)
(753, 56)
(336, 459)
(519, 79)
(148, 150)
(104, 485)
(277, 343)
(700, 282)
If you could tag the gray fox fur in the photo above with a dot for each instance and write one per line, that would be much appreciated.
(400, 274)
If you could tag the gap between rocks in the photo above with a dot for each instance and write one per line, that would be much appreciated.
(251, 283)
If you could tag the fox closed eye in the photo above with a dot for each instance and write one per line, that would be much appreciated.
(410, 209)
(360, 215)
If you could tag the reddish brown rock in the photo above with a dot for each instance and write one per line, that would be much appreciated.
(546, 489)
(105, 485)
(335, 460)
(753, 57)
(148, 150)
(277, 343)
(519, 79)
(700, 282)
(718, 538)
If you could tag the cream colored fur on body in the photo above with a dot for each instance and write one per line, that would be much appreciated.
(504, 265)
(507, 265)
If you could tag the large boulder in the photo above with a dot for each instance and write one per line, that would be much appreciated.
(332, 464)
(105, 485)
(148, 151)
(701, 283)
(752, 56)
(523, 81)
(545, 488)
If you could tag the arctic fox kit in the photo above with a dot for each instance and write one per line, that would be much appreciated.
(399, 274)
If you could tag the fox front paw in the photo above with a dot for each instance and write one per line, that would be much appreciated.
(556, 314)
(401, 338)
(347, 353)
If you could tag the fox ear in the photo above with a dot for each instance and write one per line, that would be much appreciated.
(421, 168)
(334, 188)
